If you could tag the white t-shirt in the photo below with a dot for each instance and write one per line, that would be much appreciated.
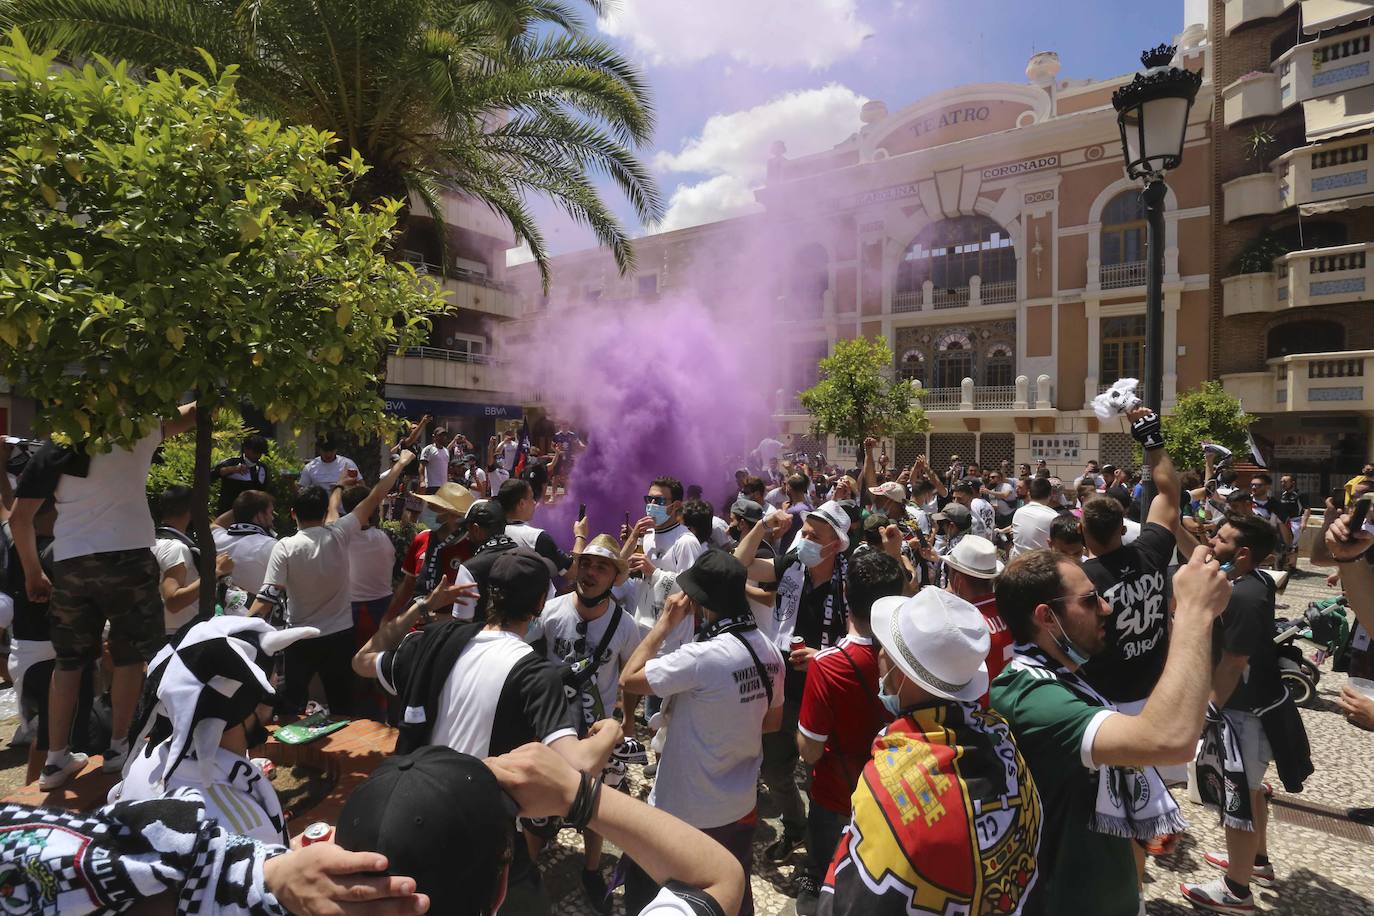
(1132, 532)
(312, 566)
(683, 553)
(321, 473)
(984, 519)
(560, 620)
(1030, 528)
(169, 554)
(435, 458)
(507, 453)
(720, 532)
(371, 558)
(251, 554)
(238, 796)
(497, 476)
(107, 510)
(658, 547)
(1003, 498)
(709, 769)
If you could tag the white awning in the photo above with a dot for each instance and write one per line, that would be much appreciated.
(1340, 114)
(1332, 206)
(1320, 15)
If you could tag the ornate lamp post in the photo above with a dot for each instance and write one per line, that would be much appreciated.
(1152, 112)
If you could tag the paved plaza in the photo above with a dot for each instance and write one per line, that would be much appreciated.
(1322, 858)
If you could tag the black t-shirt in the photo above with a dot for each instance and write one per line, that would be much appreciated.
(230, 487)
(1134, 581)
(1290, 505)
(480, 568)
(1246, 628)
(536, 474)
(813, 625)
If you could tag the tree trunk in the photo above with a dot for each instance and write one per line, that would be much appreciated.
(200, 503)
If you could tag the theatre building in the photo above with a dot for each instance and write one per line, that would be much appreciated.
(1294, 229)
(989, 233)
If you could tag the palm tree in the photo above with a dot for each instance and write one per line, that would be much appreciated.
(499, 100)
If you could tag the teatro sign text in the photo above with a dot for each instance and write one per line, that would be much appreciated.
(950, 117)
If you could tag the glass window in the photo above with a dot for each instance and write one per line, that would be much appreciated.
(912, 365)
(999, 368)
(1123, 348)
(950, 252)
(1123, 229)
(953, 364)
(807, 283)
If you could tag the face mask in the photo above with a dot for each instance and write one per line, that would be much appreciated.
(809, 553)
(1075, 654)
(656, 512)
(891, 702)
(428, 518)
(592, 600)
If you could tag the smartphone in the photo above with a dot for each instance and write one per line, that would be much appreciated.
(1362, 508)
(581, 511)
(1338, 496)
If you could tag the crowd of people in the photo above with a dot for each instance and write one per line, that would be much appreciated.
(965, 690)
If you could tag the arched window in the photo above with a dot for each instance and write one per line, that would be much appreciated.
(1000, 366)
(807, 281)
(955, 360)
(912, 365)
(1310, 336)
(951, 252)
(1123, 230)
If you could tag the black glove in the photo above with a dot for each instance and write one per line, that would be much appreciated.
(1148, 432)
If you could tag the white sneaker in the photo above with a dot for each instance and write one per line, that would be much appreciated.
(1217, 897)
(1263, 875)
(113, 761)
(55, 775)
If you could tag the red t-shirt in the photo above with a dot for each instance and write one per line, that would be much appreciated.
(999, 653)
(841, 709)
(454, 556)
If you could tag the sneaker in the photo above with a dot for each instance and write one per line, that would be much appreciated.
(808, 896)
(55, 775)
(781, 849)
(1162, 845)
(113, 760)
(651, 770)
(598, 895)
(1263, 875)
(1217, 897)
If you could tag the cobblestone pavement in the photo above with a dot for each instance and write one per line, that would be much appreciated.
(1323, 862)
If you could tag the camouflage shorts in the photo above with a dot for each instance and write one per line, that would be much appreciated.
(120, 586)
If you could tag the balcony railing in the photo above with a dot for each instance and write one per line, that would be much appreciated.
(433, 367)
(1326, 172)
(996, 293)
(452, 356)
(1333, 65)
(1320, 276)
(1120, 276)
(953, 298)
(906, 302)
(1340, 381)
(940, 398)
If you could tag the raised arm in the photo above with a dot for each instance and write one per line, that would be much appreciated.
(185, 421)
(869, 476)
(363, 511)
(1349, 546)
(760, 570)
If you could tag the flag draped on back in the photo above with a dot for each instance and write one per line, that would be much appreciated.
(522, 456)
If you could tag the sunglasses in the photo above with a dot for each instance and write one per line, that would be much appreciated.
(580, 644)
(1088, 599)
(656, 500)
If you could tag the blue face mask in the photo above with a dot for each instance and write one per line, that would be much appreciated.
(656, 512)
(808, 552)
(891, 702)
(1075, 654)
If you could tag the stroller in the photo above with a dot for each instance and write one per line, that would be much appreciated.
(1324, 623)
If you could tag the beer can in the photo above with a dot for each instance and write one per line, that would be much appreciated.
(264, 764)
(798, 643)
(318, 832)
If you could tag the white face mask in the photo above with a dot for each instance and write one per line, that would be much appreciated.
(809, 553)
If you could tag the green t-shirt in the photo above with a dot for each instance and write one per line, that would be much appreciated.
(1081, 871)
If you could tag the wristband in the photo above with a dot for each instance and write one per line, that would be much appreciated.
(1148, 431)
(585, 803)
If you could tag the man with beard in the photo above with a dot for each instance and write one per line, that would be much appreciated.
(592, 634)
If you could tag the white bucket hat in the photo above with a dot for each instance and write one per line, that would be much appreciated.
(938, 640)
(975, 556)
(833, 514)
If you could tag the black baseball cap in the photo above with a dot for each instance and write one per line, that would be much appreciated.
(522, 576)
(488, 514)
(716, 582)
(439, 817)
(748, 510)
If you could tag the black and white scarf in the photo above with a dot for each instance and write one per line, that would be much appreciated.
(1221, 772)
(836, 613)
(164, 533)
(1132, 802)
(242, 529)
(429, 575)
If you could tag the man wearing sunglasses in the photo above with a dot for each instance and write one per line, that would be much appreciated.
(661, 527)
(1094, 764)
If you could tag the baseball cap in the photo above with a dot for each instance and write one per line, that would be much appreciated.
(833, 514)
(890, 490)
(957, 513)
(748, 510)
(876, 521)
(488, 514)
(419, 809)
(716, 582)
(967, 485)
(522, 576)
(938, 640)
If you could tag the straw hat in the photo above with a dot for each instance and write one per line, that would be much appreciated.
(606, 547)
(451, 497)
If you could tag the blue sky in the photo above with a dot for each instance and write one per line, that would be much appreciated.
(731, 76)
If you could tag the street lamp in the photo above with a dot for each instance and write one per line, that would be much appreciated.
(1152, 112)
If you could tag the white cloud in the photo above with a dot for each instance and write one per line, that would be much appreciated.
(767, 33)
(733, 149)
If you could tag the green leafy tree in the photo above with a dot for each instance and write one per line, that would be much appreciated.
(1206, 414)
(156, 241)
(499, 99)
(858, 396)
